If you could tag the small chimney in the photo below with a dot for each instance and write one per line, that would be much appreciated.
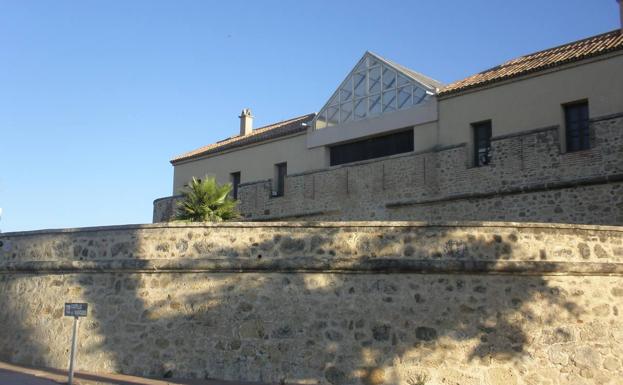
(246, 122)
(621, 14)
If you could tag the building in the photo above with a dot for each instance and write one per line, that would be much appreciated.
(538, 138)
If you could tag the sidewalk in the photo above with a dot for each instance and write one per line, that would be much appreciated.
(11, 374)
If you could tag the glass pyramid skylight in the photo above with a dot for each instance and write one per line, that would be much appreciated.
(373, 88)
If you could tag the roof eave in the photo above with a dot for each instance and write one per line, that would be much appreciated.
(301, 128)
(485, 84)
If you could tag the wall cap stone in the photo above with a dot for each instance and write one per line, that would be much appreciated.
(167, 198)
(315, 224)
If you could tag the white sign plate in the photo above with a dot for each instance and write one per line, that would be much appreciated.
(76, 309)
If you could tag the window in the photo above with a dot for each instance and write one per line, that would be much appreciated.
(281, 170)
(372, 148)
(482, 143)
(373, 88)
(235, 181)
(577, 133)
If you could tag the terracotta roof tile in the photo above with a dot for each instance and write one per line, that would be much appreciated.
(272, 131)
(581, 49)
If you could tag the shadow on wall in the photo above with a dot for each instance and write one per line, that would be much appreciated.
(365, 321)
(16, 322)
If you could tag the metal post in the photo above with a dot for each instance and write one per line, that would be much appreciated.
(74, 346)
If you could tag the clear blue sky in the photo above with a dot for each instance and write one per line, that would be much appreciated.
(97, 96)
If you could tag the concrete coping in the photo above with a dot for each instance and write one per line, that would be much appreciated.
(315, 224)
(167, 198)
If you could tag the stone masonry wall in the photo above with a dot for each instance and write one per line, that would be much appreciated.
(323, 303)
(529, 179)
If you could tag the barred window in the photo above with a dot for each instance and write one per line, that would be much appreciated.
(235, 181)
(482, 143)
(576, 126)
(281, 170)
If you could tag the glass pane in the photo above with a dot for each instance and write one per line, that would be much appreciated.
(321, 121)
(374, 80)
(346, 112)
(404, 97)
(332, 116)
(375, 105)
(389, 78)
(389, 101)
(361, 66)
(372, 61)
(334, 99)
(583, 111)
(419, 95)
(346, 92)
(360, 108)
(360, 84)
(403, 80)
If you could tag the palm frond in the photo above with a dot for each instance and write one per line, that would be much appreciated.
(204, 200)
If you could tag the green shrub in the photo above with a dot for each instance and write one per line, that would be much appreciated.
(206, 201)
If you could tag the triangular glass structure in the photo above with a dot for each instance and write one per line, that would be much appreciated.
(375, 87)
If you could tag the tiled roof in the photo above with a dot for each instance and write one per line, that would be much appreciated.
(272, 131)
(581, 49)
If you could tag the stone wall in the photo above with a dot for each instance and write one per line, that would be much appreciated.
(164, 208)
(527, 180)
(323, 303)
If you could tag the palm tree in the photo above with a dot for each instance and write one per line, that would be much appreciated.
(206, 201)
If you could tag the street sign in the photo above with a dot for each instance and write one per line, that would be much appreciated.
(76, 309)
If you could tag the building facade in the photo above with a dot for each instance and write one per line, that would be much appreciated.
(538, 138)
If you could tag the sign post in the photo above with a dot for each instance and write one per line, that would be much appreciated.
(75, 310)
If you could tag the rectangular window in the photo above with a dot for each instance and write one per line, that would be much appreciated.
(577, 133)
(235, 181)
(482, 143)
(372, 148)
(281, 170)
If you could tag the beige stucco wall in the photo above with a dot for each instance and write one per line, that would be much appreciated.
(533, 102)
(421, 114)
(254, 162)
(257, 162)
(516, 106)
(425, 136)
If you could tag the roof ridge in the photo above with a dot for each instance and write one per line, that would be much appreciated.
(254, 136)
(280, 123)
(573, 51)
(583, 40)
(419, 77)
(528, 56)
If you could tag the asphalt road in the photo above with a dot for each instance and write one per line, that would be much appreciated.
(13, 378)
(11, 374)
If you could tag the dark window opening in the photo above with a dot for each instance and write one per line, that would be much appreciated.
(386, 145)
(482, 143)
(281, 170)
(235, 181)
(577, 131)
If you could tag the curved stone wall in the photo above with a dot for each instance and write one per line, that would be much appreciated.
(322, 302)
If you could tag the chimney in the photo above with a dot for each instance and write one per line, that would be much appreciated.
(246, 122)
(621, 14)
